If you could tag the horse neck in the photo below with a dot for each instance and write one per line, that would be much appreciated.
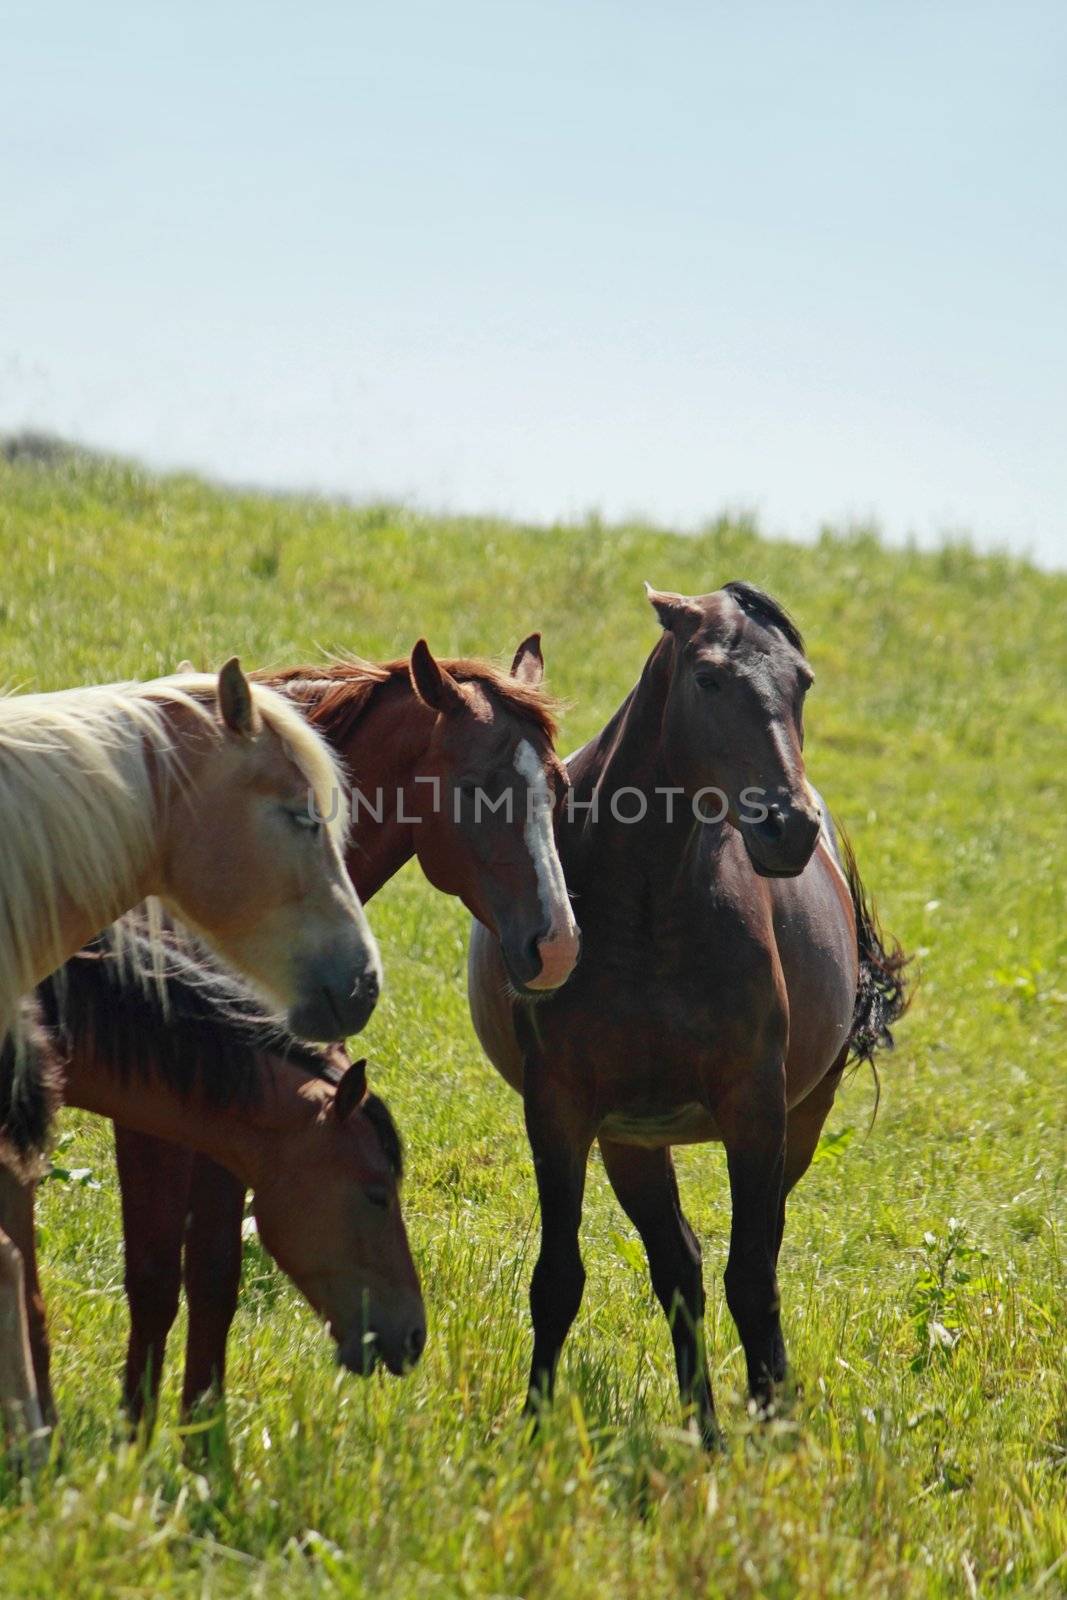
(244, 1138)
(628, 754)
(50, 904)
(382, 752)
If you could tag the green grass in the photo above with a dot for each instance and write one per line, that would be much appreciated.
(915, 1461)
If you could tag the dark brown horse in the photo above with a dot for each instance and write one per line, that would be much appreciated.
(451, 762)
(730, 965)
(294, 1124)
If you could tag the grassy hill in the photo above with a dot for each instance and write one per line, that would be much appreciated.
(914, 1462)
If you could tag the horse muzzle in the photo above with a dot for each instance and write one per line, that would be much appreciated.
(782, 843)
(329, 1010)
(398, 1351)
(543, 963)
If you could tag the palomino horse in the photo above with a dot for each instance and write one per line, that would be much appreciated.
(452, 762)
(297, 1126)
(729, 966)
(194, 790)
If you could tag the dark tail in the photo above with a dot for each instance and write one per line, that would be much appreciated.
(882, 991)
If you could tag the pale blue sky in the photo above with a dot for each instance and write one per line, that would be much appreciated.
(805, 259)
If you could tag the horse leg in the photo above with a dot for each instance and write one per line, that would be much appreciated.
(212, 1277)
(560, 1140)
(751, 1116)
(645, 1184)
(154, 1180)
(803, 1128)
(18, 1205)
(21, 1415)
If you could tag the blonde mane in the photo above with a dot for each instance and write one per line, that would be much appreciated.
(82, 775)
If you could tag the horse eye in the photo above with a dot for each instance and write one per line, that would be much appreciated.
(303, 820)
(708, 681)
(378, 1195)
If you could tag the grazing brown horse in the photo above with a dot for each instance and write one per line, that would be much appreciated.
(451, 762)
(294, 1124)
(729, 966)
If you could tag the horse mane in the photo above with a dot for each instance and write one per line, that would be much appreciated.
(30, 1091)
(78, 812)
(201, 1031)
(337, 694)
(762, 607)
(380, 1118)
(373, 1108)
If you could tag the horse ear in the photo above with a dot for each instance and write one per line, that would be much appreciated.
(676, 612)
(529, 664)
(236, 706)
(434, 686)
(350, 1090)
(184, 667)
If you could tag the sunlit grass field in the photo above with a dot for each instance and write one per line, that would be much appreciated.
(923, 1271)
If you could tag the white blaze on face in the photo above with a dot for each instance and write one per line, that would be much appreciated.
(559, 948)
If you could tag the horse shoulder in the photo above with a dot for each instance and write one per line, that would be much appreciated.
(815, 933)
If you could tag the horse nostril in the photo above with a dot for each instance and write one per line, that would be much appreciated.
(414, 1344)
(773, 824)
(369, 986)
(532, 953)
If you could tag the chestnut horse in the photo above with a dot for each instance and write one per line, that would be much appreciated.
(730, 965)
(195, 790)
(294, 1124)
(451, 762)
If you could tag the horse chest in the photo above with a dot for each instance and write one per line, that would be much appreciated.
(686, 964)
(647, 1059)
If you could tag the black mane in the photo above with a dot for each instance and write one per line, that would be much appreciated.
(202, 1031)
(381, 1120)
(758, 605)
(30, 1083)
